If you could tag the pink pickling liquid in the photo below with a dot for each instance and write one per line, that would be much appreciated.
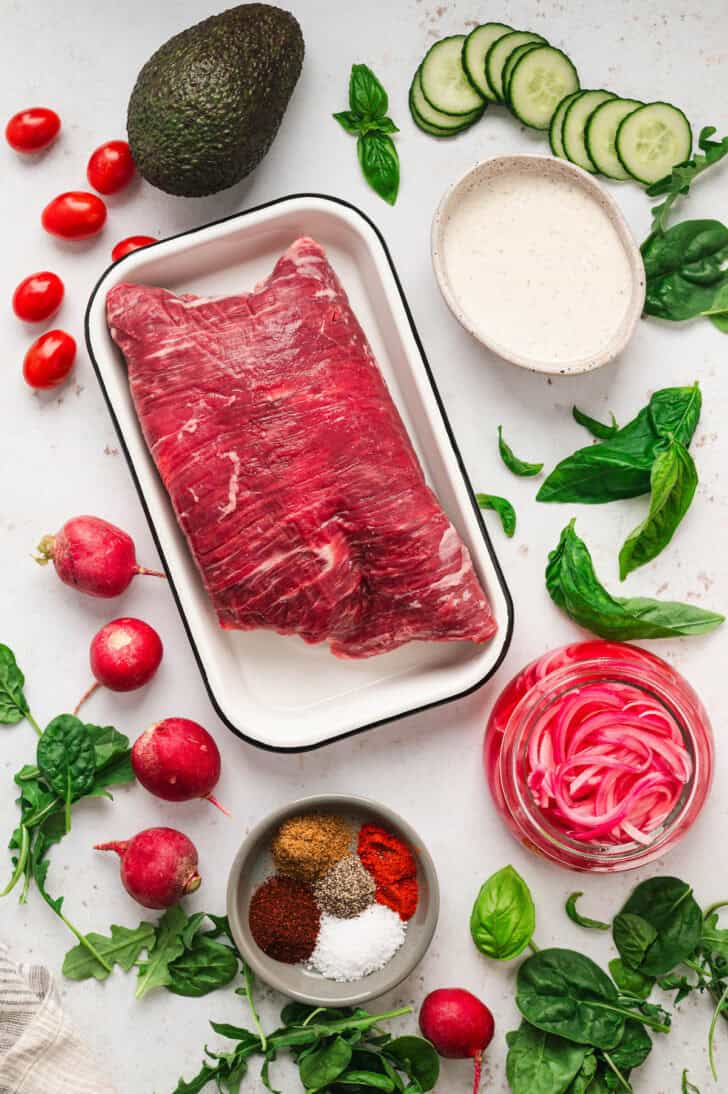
(599, 755)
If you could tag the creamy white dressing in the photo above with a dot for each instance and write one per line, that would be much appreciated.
(537, 266)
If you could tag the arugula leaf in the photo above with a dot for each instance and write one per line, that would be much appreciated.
(380, 164)
(502, 507)
(13, 704)
(512, 462)
(367, 97)
(582, 920)
(155, 972)
(673, 481)
(685, 269)
(122, 948)
(682, 176)
(596, 428)
(575, 588)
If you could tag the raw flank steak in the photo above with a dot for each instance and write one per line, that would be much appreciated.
(289, 467)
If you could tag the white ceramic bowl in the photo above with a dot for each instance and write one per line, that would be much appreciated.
(539, 166)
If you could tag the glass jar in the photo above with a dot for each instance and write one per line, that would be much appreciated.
(539, 692)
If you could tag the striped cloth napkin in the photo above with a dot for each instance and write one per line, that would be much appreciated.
(40, 1052)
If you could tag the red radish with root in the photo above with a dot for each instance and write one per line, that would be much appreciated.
(124, 655)
(93, 556)
(178, 761)
(158, 866)
(458, 1025)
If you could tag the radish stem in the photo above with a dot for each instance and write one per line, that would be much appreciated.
(150, 573)
(213, 801)
(86, 695)
(478, 1061)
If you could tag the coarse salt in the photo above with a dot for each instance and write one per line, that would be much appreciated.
(349, 949)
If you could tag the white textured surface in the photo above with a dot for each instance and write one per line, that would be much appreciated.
(59, 458)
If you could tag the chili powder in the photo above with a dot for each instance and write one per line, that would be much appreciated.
(284, 919)
(392, 865)
(401, 896)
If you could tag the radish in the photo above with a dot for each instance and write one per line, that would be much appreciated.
(178, 761)
(124, 655)
(93, 556)
(158, 866)
(458, 1025)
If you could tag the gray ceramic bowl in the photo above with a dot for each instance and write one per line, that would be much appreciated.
(253, 864)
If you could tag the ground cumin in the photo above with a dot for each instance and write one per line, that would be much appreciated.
(305, 847)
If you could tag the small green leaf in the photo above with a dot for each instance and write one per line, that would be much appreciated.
(66, 757)
(541, 1062)
(205, 966)
(502, 507)
(503, 918)
(379, 125)
(673, 482)
(154, 972)
(13, 704)
(679, 181)
(629, 981)
(512, 462)
(325, 1065)
(582, 920)
(349, 121)
(122, 948)
(597, 429)
(417, 1057)
(380, 164)
(367, 97)
(633, 937)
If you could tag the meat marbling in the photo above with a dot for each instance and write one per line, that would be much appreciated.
(289, 467)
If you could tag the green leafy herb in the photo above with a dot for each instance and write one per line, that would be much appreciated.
(502, 507)
(123, 948)
(634, 1048)
(673, 482)
(620, 467)
(417, 1057)
(582, 920)
(597, 429)
(574, 587)
(668, 907)
(13, 704)
(680, 179)
(67, 760)
(504, 917)
(512, 462)
(685, 269)
(633, 937)
(203, 967)
(155, 971)
(380, 164)
(367, 120)
(542, 1063)
(325, 1064)
(367, 97)
(629, 981)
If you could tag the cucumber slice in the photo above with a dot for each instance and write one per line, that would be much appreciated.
(434, 121)
(601, 133)
(511, 63)
(499, 53)
(557, 123)
(652, 139)
(475, 47)
(443, 80)
(576, 117)
(540, 80)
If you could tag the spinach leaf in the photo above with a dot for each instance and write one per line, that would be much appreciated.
(684, 174)
(667, 905)
(718, 310)
(620, 467)
(122, 948)
(417, 1057)
(685, 268)
(66, 759)
(597, 429)
(155, 971)
(503, 918)
(541, 1063)
(585, 1075)
(575, 588)
(502, 507)
(512, 462)
(205, 966)
(13, 704)
(582, 920)
(629, 981)
(109, 744)
(673, 481)
(379, 162)
(633, 936)
(367, 97)
(634, 1048)
(714, 939)
(325, 1065)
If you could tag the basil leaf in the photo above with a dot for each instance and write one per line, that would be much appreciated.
(574, 587)
(417, 1057)
(668, 906)
(325, 1065)
(582, 920)
(683, 174)
(380, 164)
(122, 948)
(13, 704)
(503, 918)
(629, 981)
(66, 757)
(367, 97)
(597, 429)
(633, 937)
(675, 412)
(512, 462)
(673, 480)
(204, 967)
(541, 1063)
(502, 507)
(349, 120)
(684, 267)
(154, 972)
(379, 125)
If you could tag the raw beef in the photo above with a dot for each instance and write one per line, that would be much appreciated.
(288, 465)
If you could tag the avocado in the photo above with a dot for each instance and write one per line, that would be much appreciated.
(206, 106)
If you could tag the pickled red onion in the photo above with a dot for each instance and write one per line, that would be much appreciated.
(607, 764)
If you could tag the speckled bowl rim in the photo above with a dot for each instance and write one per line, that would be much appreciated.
(274, 973)
(544, 165)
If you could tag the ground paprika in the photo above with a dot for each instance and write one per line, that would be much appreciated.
(284, 919)
(392, 865)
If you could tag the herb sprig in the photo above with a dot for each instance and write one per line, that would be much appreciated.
(368, 121)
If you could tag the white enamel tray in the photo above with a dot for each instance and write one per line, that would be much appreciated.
(275, 691)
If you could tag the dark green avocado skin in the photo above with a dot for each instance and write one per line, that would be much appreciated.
(206, 106)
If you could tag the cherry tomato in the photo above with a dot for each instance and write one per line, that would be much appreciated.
(32, 130)
(74, 215)
(38, 297)
(49, 360)
(131, 243)
(111, 167)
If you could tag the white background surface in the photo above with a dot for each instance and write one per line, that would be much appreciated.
(59, 458)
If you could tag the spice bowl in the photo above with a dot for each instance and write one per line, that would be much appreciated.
(253, 864)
